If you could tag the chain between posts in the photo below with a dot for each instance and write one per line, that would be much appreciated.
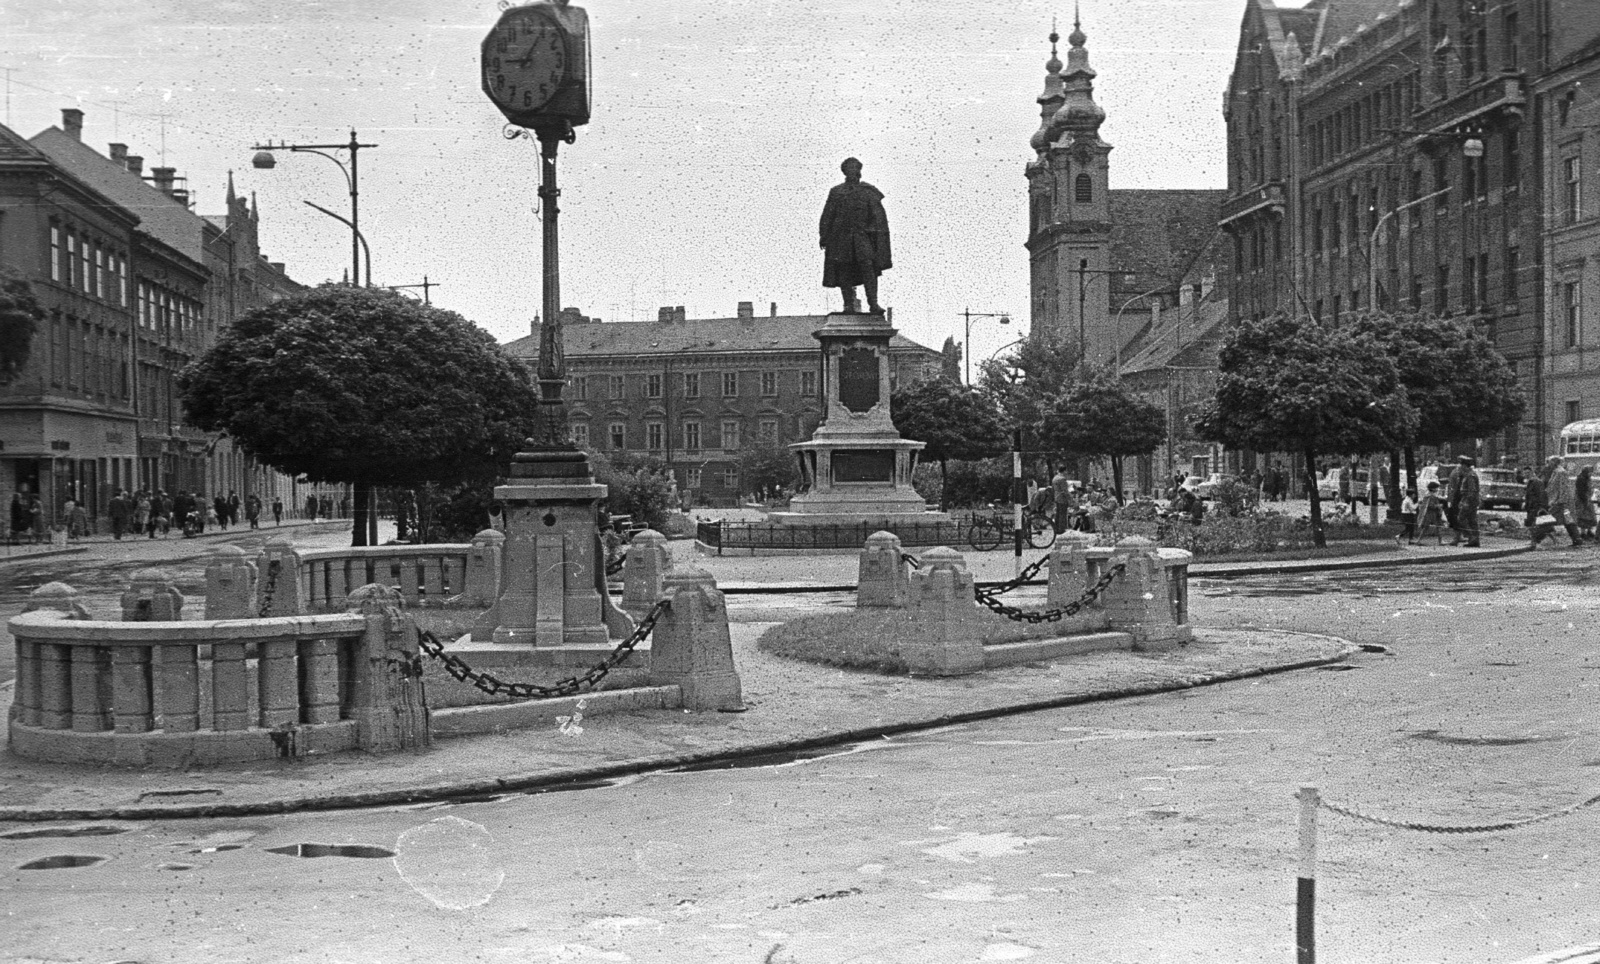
(494, 686)
(1458, 828)
(986, 598)
(910, 560)
(615, 566)
(1021, 579)
(272, 587)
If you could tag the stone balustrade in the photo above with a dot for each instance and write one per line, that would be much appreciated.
(170, 693)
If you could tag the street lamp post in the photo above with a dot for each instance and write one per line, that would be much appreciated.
(265, 160)
(425, 286)
(966, 346)
(1372, 245)
(1083, 286)
(1116, 321)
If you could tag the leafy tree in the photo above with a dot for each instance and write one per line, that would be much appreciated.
(1286, 383)
(1098, 417)
(361, 385)
(20, 316)
(956, 422)
(636, 485)
(1025, 383)
(950, 360)
(767, 469)
(1459, 384)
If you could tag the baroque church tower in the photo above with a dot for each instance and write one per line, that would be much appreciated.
(1069, 216)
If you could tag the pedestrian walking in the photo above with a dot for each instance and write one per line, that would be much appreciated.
(78, 522)
(311, 508)
(234, 505)
(1463, 494)
(1532, 495)
(1558, 497)
(1347, 484)
(219, 510)
(1583, 504)
(1408, 519)
(36, 519)
(141, 511)
(121, 512)
(19, 517)
(277, 510)
(252, 511)
(1061, 494)
(1430, 515)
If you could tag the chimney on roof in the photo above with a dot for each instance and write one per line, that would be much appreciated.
(163, 177)
(664, 315)
(72, 122)
(747, 310)
(678, 315)
(119, 153)
(136, 165)
(276, 266)
(774, 309)
(181, 195)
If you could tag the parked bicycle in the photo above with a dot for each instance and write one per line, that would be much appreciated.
(989, 530)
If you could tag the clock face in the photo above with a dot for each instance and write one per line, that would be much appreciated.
(524, 62)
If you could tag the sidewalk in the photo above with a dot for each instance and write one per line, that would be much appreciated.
(791, 706)
(26, 552)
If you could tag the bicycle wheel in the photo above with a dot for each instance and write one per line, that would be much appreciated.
(983, 536)
(1041, 532)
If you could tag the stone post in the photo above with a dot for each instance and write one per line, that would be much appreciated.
(386, 697)
(483, 570)
(230, 584)
(647, 564)
(1139, 601)
(945, 616)
(279, 566)
(690, 646)
(883, 579)
(1069, 568)
(151, 597)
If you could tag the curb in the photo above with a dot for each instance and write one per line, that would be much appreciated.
(94, 543)
(1224, 571)
(46, 554)
(549, 778)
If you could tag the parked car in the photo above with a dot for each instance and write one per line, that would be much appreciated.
(1208, 488)
(1328, 485)
(1496, 486)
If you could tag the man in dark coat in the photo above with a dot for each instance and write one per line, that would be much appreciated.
(854, 238)
(1464, 498)
(121, 512)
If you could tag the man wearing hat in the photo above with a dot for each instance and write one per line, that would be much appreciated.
(1559, 496)
(1463, 500)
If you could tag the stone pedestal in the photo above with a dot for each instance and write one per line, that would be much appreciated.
(1140, 601)
(552, 580)
(647, 564)
(945, 614)
(856, 467)
(884, 579)
(691, 647)
(1069, 568)
(230, 584)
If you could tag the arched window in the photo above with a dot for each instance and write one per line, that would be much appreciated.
(1083, 189)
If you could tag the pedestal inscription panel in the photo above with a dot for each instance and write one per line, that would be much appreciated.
(866, 466)
(858, 379)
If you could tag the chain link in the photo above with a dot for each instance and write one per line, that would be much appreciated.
(1021, 579)
(1460, 828)
(494, 686)
(615, 566)
(1052, 615)
(910, 560)
(272, 587)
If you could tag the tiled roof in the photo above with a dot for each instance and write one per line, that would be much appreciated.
(14, 149)
(783, 333)
(160, 216)
(1344, 16)
(1197, 347)
(1158, 235)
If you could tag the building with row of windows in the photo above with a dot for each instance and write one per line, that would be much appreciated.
(135, 285)
(700, 394)
(1425, 155)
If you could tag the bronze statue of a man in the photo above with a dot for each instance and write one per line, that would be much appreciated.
(855, 238)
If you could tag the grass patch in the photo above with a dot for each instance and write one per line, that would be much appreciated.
(873, 639)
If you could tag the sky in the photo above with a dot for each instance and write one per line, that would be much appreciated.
(718, 128)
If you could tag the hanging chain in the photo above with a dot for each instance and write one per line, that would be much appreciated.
(1459, 828)
(1053, 615)
(615, 566)
(272, 587)
(494, 686)
(1022, 577)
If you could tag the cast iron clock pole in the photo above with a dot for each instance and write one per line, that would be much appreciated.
(536, 71)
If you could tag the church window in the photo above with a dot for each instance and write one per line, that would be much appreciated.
(1083, 189)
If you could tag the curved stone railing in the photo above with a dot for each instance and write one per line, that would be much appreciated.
(459, 574)
(180, 692)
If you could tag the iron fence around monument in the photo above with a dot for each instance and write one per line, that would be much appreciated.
(756, 536)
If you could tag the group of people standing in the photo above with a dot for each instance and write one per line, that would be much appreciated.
(1456, 505)
(1273, 483)
(1553, 497)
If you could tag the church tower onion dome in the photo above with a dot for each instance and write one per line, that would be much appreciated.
(1078, 115)
(1050, 100)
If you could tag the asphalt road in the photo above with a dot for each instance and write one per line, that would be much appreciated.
(1159, 829)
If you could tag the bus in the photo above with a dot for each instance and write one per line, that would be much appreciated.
(1580, 443)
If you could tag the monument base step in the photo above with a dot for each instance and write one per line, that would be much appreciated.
(1044, 650)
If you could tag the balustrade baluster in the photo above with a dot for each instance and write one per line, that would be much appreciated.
(27, 686)
(132, 696)
(177, 687)
(88, 706)
(319, 680)
(230, 687)
(55, 686)
(277, 689)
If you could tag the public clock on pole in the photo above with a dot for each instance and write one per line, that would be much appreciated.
(536, 65)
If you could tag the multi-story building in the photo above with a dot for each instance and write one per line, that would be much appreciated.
(1568, 113)
(1391, 154)
(699, 393)
(1104, 262)
(134, 286)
